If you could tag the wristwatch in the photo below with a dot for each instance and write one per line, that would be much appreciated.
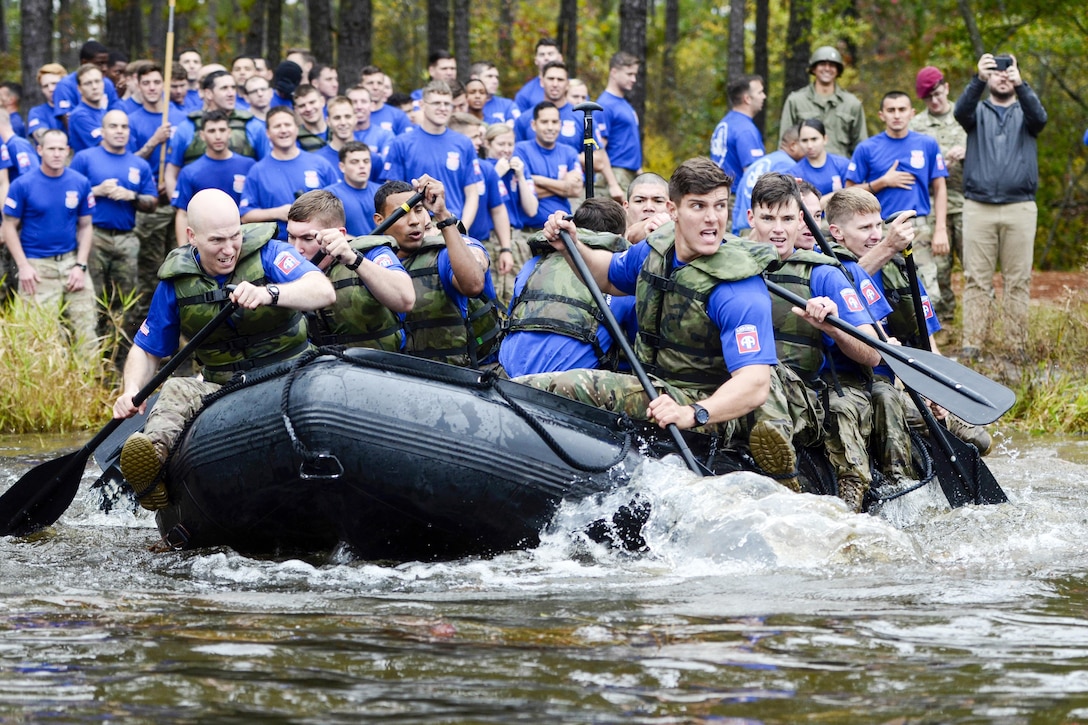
(81, 266)
(274, 292)
(447, 222)
(702, 415)
(358, 260)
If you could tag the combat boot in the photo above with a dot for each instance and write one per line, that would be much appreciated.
(852, 490)
(976, 435)
(773, 453)
(141, 465)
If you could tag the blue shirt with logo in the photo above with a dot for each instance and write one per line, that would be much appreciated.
(130, 171)
(49, 208)
(227, 175)
(916, 153)
(272, 182)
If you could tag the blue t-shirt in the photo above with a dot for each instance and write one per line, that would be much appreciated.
(392, 119)
(530, 94)
(85, 127)
(160, 333)
(829, 281)
(49, 208)
(272, 182)
(378, 140)
(777, 161)
(741, 310)
(571, 128)
(511, 199)
(66, 95)
(828, 178)
(184, 134)
(142, 126)
(618, 125)
(449, 157)
(193, 101)
(130, 171)
(492, 194)
(18, 156)
(227, 175)
(500, 110)
(41, 117)
(554, 163)
(735, 145)
(528, 352)
(916, 153)
(870, 292)
(932, 323)
(358, 206)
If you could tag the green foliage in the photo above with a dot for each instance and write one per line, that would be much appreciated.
(45, 386)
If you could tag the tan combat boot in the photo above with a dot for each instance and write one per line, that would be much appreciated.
(141, 463)
(852, 490)
(773, 452)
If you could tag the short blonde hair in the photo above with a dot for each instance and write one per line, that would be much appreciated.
(848, 203)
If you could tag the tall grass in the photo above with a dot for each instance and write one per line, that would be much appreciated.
(46, 385)
(1052, 384)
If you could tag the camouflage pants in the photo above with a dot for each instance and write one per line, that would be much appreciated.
(793, 407)
(926, 260)
(113, 268)
(849, 425)
(179, 400)
(619, 393)
(156, 232)
(946, 306)
(890, 439)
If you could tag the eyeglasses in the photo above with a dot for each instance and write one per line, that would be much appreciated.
(439, 104)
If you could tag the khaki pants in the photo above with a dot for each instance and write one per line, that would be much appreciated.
(997, 235)
(79, 306)
(624, 177)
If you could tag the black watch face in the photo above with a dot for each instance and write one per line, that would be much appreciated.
(702, 415)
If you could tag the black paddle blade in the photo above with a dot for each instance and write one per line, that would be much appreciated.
(980, 483)
(43, 493)
(956, 388)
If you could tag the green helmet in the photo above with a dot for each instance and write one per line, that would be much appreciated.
(825, 53)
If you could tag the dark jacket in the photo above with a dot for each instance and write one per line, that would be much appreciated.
(1001, 166)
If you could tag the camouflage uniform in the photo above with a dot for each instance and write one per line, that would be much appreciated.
(357, 318)
(841, 112)
(848, 411)
(113, 267)
(155, 230)
(948, 134)
(678, 343)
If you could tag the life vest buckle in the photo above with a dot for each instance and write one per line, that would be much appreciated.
(321, 466)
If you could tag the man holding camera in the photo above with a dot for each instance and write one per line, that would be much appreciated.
(1000, 177)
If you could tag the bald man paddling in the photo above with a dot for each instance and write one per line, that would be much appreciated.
(273, 286)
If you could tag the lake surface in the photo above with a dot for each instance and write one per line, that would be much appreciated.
(754, 605)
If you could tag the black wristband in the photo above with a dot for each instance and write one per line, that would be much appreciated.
(81, 266)
(358, 260)
(505, 249)
(447, 222)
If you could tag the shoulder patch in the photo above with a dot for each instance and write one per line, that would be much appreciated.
(850, 297)
(870, 292)
(286, 262)
(747, 339)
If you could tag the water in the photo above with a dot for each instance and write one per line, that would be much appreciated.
(754, 605)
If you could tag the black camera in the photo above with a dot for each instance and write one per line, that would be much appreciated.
(1004, 62)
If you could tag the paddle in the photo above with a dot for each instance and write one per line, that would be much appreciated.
(982, 486)
(973, 397)
(588, 142)
(46, 491)
(617, 334)
(393, 218)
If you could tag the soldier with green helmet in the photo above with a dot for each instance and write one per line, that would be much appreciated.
(373, 290)
(274, 286)
(841, 111)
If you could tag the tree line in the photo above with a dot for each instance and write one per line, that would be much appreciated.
(690, 50)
